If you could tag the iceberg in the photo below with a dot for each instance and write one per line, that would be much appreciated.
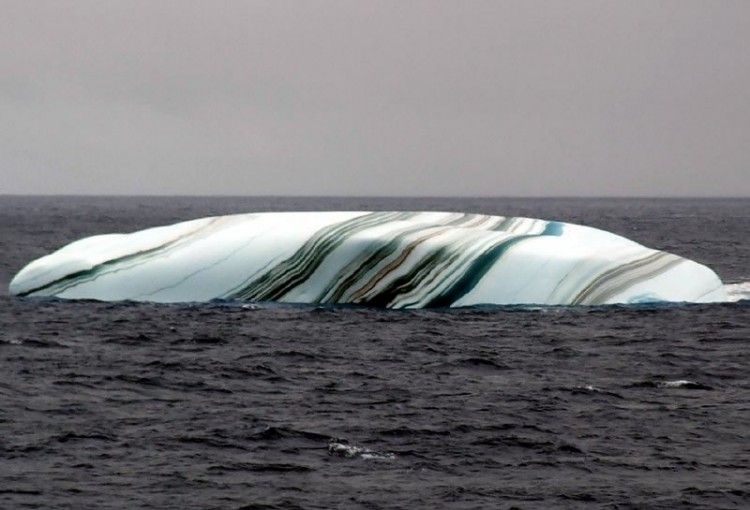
(381, 259)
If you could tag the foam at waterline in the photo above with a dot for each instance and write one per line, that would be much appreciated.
(737, 291)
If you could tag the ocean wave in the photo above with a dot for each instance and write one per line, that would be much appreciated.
(347, 451)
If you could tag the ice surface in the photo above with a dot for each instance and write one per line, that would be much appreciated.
(384, 259)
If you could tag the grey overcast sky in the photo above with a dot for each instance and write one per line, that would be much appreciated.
(498, 98)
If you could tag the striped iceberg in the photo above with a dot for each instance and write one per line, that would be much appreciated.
(382, 259)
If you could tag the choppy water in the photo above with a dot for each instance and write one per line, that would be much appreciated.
(123, 405)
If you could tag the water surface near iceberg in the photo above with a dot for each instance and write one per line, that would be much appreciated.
(236, 404)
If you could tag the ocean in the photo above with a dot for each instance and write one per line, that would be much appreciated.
(260, 406)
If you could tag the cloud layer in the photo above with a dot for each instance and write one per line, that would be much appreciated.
(375, 98)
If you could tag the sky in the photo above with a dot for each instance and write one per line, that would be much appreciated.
(378, 98)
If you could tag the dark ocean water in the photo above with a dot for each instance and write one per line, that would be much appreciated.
(123, 405)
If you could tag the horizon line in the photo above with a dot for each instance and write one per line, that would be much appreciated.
(273, 195)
